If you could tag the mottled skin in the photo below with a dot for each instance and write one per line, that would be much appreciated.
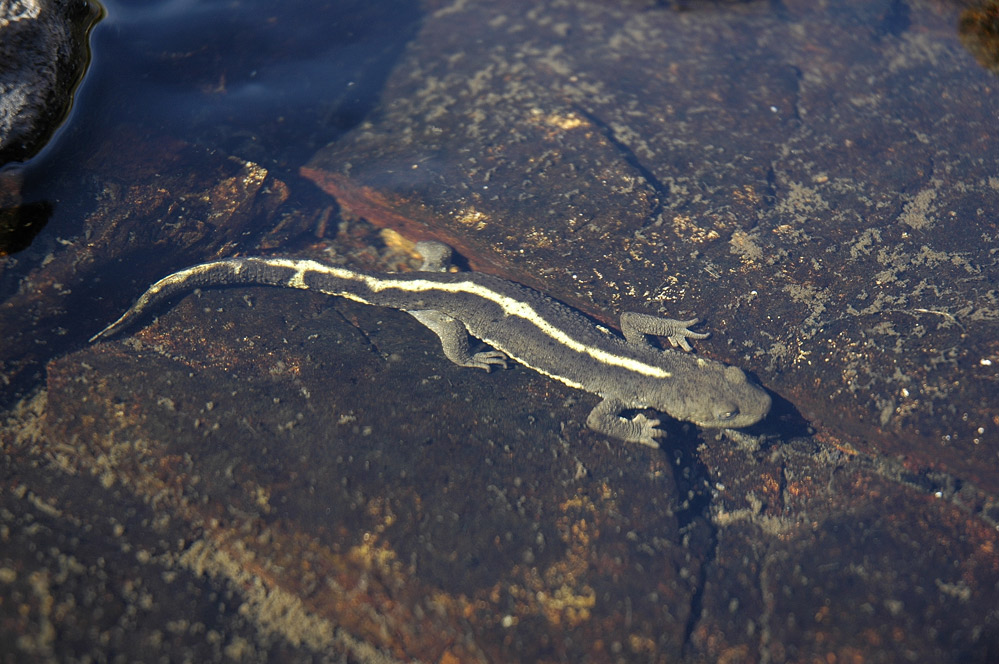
(520, 324)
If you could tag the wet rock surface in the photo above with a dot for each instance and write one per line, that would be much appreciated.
(427, 530)
(322, 467)
(44, 51)
(744, 164)
(264, 474)
(144, 223)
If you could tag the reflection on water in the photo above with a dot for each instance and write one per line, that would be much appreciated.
(266, 81)
(174, 91)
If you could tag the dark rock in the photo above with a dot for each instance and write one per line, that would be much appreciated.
(43, 48)
(823, 555)
(276, 476)
(145, 223)
(817, 182)
(979, 28)
(357, 475)
(88, 569)
(788, 175)
(323, 466)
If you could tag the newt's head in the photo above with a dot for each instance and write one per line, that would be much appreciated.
(718, 396)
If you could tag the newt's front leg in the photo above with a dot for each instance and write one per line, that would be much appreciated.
(606, 418)
(635, 326)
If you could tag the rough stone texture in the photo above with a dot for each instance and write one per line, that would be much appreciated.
(146, 222)
(822, 556)
(43, 52)
(88, 570)
(819, 183)
(435, 526)
(979, 28)
(268, 475)
(322, 467)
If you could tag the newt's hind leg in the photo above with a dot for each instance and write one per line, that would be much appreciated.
(635, 326)
(454, 340)
(452, 332)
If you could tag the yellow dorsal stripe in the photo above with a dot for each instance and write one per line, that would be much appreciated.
(509, 305)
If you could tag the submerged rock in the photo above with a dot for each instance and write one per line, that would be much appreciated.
(43, 48)
(789, 175)
(819, 183)
(267, 474)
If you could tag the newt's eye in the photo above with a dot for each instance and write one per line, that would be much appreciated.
(727, 415)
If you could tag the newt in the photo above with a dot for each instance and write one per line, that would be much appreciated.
(519, 324)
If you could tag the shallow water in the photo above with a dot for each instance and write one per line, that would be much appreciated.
(817, 181)
(268, 83)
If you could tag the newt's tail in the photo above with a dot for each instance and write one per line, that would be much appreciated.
(234, 271)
